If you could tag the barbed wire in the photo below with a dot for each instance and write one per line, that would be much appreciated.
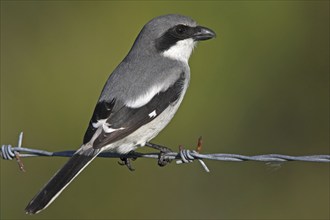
(183, 156)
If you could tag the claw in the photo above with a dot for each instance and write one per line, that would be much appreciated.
(162, 160)
(126, 162)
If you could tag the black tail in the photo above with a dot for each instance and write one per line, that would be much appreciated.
(58, 183)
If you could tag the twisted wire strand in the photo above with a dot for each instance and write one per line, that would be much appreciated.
(183, 156)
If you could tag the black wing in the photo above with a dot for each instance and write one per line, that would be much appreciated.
(130, 119)
(102, 111)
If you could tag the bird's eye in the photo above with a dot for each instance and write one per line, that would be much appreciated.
(180, 29)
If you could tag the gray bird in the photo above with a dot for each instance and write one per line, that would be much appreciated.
(138, 100)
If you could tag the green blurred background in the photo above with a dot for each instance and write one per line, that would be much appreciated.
(262, 86)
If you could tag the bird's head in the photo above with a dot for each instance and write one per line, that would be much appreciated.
(173, 36)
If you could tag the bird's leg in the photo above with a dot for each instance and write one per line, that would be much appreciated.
(126, 161)
(158, 147)
(162, 160)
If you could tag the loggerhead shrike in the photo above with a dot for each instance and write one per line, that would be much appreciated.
(138, 100)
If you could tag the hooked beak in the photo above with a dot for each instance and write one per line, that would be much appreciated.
(203, 33)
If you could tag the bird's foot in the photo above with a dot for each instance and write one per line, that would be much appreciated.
(125, 161)
(162, 159)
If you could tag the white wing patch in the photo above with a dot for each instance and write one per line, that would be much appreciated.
(181, 50)
(152, 114)
(107, 129)
(99, 123)
(144, 98)
(105, 126)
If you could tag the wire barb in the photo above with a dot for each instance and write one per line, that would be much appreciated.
(187, 157)
(183, 156)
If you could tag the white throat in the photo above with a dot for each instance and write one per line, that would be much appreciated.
(181, 50)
